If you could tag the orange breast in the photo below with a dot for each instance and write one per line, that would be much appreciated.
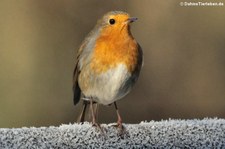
(112, 50)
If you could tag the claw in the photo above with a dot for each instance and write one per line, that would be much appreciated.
(96, 125)
(120, 128)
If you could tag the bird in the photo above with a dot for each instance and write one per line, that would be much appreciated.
(108, 64)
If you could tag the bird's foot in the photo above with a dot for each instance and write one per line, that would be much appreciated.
(120, 127)
(98, 126)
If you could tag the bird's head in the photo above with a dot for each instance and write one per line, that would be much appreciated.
(116, 22)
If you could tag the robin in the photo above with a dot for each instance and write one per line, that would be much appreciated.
(108, 64)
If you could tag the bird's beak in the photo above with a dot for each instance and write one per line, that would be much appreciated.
(132, 19)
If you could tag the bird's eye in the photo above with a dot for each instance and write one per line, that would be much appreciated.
(112, 21)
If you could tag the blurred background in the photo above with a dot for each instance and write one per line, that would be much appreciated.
(184, 67)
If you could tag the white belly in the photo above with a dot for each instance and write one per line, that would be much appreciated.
(110, 86)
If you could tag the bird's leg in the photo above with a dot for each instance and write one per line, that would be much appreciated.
(119, 119)
(82, 115)
(96, 111)
(93, 115)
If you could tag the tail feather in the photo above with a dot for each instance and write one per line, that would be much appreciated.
(77, 93)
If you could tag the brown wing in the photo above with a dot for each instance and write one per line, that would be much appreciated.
(83, 57)
(140, 58)
(76, 88)
(139, 63)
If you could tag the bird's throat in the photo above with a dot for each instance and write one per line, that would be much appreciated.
(116, 48)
